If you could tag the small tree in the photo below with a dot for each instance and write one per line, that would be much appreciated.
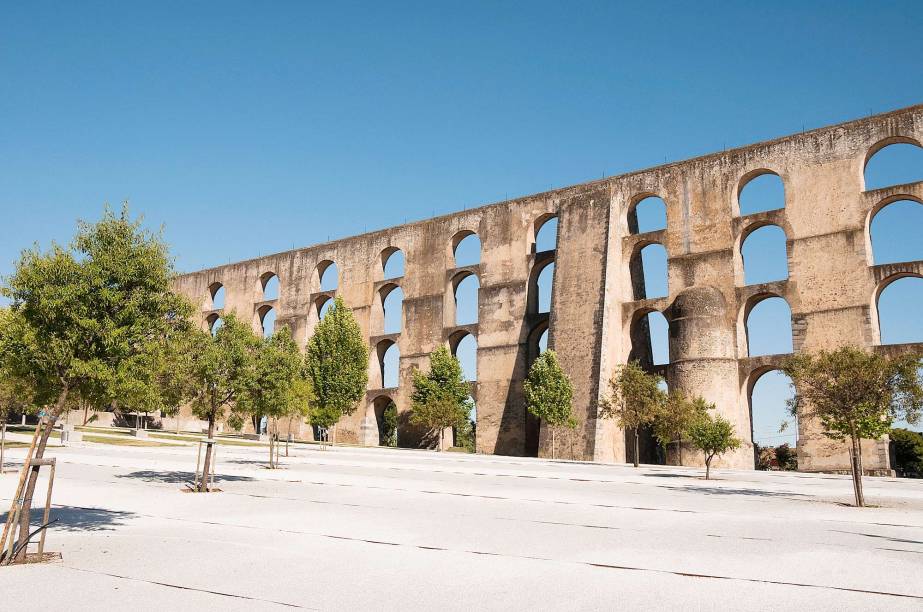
(388, 434)
(677, 413)
(635, 400)
(714, 436)
(855, 395)
(278, 387)
(221, 371)
(908, 452)
(337, 362)
(440, 397)
(549, 393)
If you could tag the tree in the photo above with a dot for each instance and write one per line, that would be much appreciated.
(440, 397)
(714, 436)
(278, 387)
(337, 362)
(388, 434)
(549, 393)
(908, 452)
(855, 395)
(221, 370)
(83, 319)
(786, 457)
(677, 413)
(635, 399)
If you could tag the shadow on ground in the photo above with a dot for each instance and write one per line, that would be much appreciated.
(178, 477)
(76, 518)
(730, 491)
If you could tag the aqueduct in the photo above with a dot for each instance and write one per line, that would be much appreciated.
(599, 306)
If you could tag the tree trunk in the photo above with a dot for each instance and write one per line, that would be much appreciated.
(637, 446)
(33, 474)
(203, 486)
(552, 442)
(708, 467)
(441, 438)
(86, 412)
(856, 467)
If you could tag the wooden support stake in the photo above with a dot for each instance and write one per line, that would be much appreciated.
(41, 541)
(13, 514)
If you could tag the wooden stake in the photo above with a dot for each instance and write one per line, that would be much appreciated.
(13, 514)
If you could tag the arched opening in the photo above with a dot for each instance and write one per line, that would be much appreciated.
(388, 356)
(769, 327)
(392, 263)
(466, 249)
(270, 284)
(383, 417)
(267, 317)
(465, 289)
(650, 339)
(899, 302)
(649, 272)
(466, 436)
(543, 342)
(895, 232)
(543, 287)
(764, 255)
(214, 323)
(465, 347)
(216, 296)
(760, 191)
(649, 214)
(894, 162)
(771, 422)
(328, 276)
(322, 305)
(546, 233)
(392, 304)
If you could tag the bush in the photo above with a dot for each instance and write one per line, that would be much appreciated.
(908, 452)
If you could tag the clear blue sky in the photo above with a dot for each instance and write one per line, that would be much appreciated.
(247, 128)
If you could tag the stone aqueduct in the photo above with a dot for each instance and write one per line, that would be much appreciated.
(596, 318)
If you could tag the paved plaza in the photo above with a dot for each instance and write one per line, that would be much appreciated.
(355, 528)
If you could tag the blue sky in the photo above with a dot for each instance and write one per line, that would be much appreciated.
(247, 128)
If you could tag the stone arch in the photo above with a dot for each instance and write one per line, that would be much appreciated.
(541, 286)
(534, 346)
(904, 147)
(647, 212)
(388, 312)
(385, 370)
(266, 319)
(648, 270)
(903, 244)
(269, 286)
(465, 298)
(327, 276)
(216, 296)
(374, 430)
(893, 331)
(770, 409)
(759, 190)
(770, 332)
(392, 263)
(765, 246)
(545, 233)
(214, 323)
(464, 346)
(465, 249)
(649, 337)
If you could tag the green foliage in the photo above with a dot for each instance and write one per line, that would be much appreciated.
(337, 361)
(853, 393)
(277, 386)
(548, 392)
(636, 397)
(388, 434)
(88, 318)
(676, 415)
(440, 397)
(714, 436)
(908, 452)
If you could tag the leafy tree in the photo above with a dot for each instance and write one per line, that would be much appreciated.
(440, 397)
(84, 318)
(635, 400)
(855, 395)
(908, 452)
(466, 432)
(786, 457)
(337, 361)
(221, 370)
(549, 393)
(388, 434)
(677, 413)
(278, 387)
(714, 436)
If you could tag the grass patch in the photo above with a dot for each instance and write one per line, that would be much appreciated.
(9, 444)
(120, 441)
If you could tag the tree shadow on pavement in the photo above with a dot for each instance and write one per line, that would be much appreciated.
(729, 491)
(178, 477)
(881, 537)
(76, 518)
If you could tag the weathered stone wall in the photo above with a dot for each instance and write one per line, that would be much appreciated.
(832, 287)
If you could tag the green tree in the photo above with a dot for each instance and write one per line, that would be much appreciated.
(388, 434)
(277, 387)
(714, 436)
(337, 362)
(786, 457)
(855, 395)
(84, 318)
(676, 414)
(635, 400)
(440, 397)
(221, 370)
(549, 393)
(908, 452)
